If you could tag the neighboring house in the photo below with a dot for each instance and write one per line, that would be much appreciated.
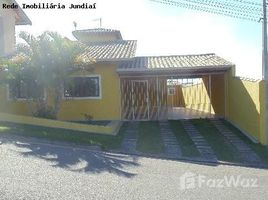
(9, 18)
(121, 86)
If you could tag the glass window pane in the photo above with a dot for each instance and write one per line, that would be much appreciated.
(19, 89)
(82, 87)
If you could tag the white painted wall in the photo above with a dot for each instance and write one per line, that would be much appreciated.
(8, 28)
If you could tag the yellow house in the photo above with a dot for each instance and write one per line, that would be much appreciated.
(9, 18)
(121, 86)
(124, 87)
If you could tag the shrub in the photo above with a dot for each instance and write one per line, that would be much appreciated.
(47, 113)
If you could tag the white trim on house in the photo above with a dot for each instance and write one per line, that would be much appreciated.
(86, 98)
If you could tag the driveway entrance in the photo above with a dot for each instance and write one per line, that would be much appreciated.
(172, 97)
(153, 86)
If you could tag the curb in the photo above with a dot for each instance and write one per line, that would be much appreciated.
(191, 160)
(96, 148)
(43, 141)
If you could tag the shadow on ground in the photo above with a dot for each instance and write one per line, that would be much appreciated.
(74, 158)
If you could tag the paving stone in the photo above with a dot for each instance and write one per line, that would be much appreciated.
(172, 147)
(199, 141)
(244, 151)
(130, 140)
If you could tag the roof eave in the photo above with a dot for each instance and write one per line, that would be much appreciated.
(113, 59)
(198, 69)
(23, 19)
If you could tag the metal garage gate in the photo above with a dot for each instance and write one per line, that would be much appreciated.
(154, 98)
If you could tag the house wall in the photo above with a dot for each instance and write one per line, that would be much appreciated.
(246, 106)
(11, 106)
(96, 38)
(197, 96)
(111, 129)
(176, 100)
(218, 97)
(7, 39)
(108, 107)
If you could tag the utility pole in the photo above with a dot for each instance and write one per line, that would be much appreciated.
(265, 65)
(264, 37)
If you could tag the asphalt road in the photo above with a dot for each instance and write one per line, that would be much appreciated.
(35, 169)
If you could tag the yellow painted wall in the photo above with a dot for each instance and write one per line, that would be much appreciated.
(246, 106)
(108, 107)
(8, 17)
(217, 93)
(176, 100)
(12, 106)
(111, 129)
(197, 96)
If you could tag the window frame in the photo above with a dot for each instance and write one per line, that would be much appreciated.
(85, 98)
(171, 89)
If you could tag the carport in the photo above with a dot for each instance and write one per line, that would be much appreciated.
(173, 87)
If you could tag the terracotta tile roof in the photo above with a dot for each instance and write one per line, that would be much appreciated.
(174, 62)
(111, 51)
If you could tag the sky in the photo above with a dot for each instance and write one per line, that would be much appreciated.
(160, 29)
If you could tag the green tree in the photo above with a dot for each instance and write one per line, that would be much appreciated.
(46, 62)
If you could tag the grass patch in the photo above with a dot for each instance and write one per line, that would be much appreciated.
(216, 140)
(187, 146)
(77, 137)
(260, 149)
(149, 138)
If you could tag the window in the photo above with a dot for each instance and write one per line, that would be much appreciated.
(19, 89)
(83, 87)
(171, 91)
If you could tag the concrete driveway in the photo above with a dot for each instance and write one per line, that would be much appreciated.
(36, 169)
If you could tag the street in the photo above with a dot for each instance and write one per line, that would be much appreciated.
(37, 169)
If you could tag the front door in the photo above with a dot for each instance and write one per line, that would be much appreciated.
(140, 100)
